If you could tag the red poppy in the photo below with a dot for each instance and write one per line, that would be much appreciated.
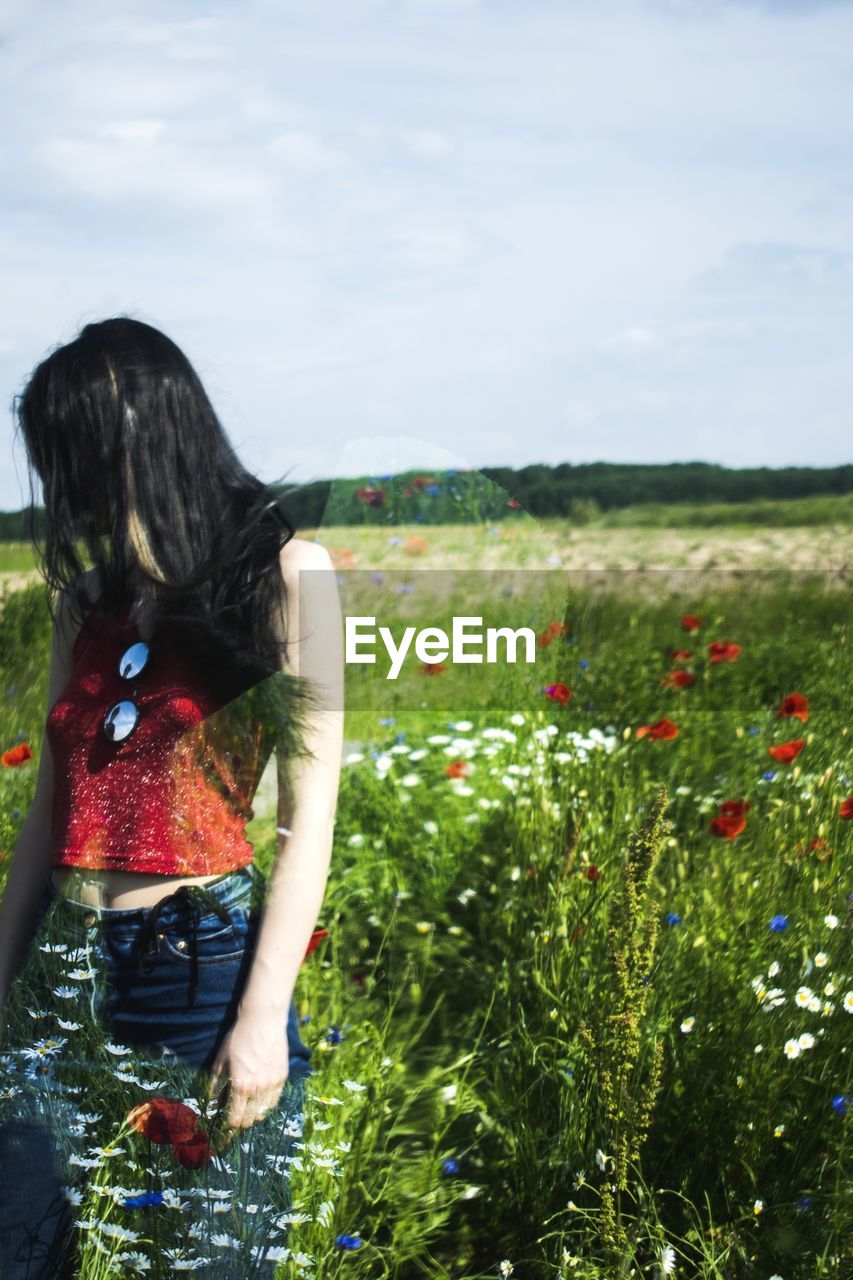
(723, 651)
(690, 622)
(795, 704)
(531, 872)
(415, 545)
(373, 497)
(817, 845)
(680, 655)
(592, 872)
(421, 482)
(846, 810)
(787, 751)
(457, 769)
(194, 1152)
(316, 938)
(16, 755)
(513, 504)
(432, 668)
(663, 729)
(558, 693)
(578, 932)
(728, 825)
(407, 491)
(733, 808)
(341, 557)
(677, 679)
(164, 1120)
(553, 629)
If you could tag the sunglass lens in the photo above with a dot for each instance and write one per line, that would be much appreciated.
(133, 660)
(120, 720)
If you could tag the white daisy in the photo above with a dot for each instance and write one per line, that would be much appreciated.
(667, 1261)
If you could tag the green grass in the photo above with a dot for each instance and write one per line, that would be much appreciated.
(793, 512)
(17, 557)
(504, 956)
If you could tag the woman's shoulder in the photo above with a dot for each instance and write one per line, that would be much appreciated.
(298, 554)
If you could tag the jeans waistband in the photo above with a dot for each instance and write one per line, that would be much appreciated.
(235, 888)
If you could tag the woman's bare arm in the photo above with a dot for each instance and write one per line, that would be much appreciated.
(308, 787)
(254, 1052)
(30, 864)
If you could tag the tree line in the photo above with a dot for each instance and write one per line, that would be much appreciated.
(573, 490)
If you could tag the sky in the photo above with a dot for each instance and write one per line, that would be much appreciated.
(395, 233)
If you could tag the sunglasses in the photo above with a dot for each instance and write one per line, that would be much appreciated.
(123, 717)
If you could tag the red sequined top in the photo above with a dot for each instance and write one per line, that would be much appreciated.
(172, 798)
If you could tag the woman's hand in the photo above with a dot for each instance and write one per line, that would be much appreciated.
(253, 1058)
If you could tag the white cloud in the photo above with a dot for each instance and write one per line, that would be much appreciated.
(426, 142)
(305, 152)
(635, 336)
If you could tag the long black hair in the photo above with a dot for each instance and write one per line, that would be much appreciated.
(136, 466)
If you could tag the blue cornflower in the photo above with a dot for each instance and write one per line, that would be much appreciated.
(450, 1165)
(450, 473)
(769, 775)
(141, 1201)
(420, 516)
(570, 639)
(583, 664)
(306, 1017)
(803, 1203)
(401, 737)
(672, 918)
(387, 719)
(349, 1242)
(404, 588)
(432, 490)
(376, 576)
(753, 730)
(394, 540)
(839, 1103)
(390, 476)
(778, 923)
(333, 1035)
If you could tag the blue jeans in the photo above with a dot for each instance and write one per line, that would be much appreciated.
(163, 987)
(150, 995)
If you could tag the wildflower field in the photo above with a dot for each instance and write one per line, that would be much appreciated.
(584, 999)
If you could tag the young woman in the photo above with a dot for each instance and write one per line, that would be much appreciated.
(203, 637)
